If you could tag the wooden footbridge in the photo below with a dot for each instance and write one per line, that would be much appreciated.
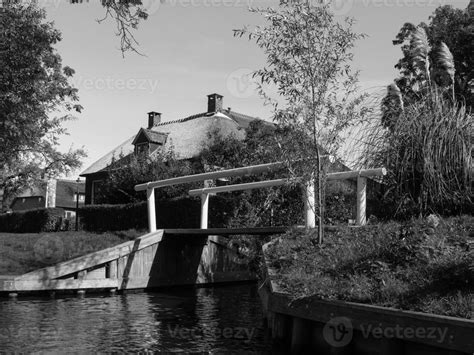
(173, 257)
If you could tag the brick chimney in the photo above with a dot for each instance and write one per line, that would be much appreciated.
(214, 102)
(154, 118)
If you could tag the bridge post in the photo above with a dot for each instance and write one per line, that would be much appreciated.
(361, 200)
(150, 195)
(204, 210)
(309, 204)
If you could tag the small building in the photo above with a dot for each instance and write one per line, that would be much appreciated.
(60, 193)
(187, 137)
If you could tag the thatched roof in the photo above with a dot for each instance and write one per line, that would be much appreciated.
(187, 136)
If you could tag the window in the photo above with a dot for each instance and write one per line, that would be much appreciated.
(82, 197)
(141, 148)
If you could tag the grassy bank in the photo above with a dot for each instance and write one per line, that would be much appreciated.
(21, 253)
(412, 266)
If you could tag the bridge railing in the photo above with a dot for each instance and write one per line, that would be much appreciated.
(309, 195)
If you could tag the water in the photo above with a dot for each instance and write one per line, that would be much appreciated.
(212, 320)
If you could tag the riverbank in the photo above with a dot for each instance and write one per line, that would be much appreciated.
(24, 252)
(422, 265)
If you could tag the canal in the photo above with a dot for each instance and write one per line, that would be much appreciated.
(214, 320)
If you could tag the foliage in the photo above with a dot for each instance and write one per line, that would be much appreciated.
(425, 136)
(447, 25)
(308, 62)
(276, 206)
(280, 205)
(403, 265)
(259, 146)
(32, 221)
(127, 15)
(428, 157)
(181, 212)
(125, 172)
(33, 88)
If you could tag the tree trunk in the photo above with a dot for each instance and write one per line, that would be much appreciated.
(319, 188)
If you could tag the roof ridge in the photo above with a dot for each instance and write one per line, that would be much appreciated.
(241, 114)
(182, 119)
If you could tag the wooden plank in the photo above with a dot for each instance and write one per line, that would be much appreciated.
(227, 231)
(278, 182)
(356, 173)
(451, 333)
(239, 187)
(204, 210)
(51, 285)
(361, 200)
(150, 197)
(95, 274)
(93, 259)
(249, 170)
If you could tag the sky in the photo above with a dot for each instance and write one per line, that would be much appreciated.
(189, 52)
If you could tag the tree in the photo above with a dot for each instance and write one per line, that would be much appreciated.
(426, 132)
(258, 207)
(34, 88)
(308, 61)
(448, 25)
(127, 15)
(124, 172)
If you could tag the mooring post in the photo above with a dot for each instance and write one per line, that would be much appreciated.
(309, 204)
(150, 195)
(361, 200)
(204, 210)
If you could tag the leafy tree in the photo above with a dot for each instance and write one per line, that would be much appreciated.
(259, 207)
(308, 61)
(34, 89)
(127, 171)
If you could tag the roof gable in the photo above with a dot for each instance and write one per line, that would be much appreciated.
(148, 135)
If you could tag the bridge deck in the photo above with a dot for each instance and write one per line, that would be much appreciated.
(228, 231)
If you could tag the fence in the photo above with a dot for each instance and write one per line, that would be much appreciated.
(309, 195)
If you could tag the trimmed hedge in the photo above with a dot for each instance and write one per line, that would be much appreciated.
(32, 221)
(176, 213)
(224, 211)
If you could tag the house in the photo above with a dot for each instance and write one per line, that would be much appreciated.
(187, 136)
(58, 193)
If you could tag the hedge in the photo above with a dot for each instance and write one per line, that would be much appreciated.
(224, 211)
(176, 213)
(32, 221)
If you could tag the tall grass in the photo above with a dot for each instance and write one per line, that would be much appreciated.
(427, 152)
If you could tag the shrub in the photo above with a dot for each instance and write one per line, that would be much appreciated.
(173, 213)
(427, 153)
(32, 221)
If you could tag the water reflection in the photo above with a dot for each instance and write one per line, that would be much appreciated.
(218, 319)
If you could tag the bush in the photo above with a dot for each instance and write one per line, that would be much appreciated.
(174, 213)
(32, 221)
(427, 153)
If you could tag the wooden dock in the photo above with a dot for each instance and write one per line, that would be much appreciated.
(170, 257)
